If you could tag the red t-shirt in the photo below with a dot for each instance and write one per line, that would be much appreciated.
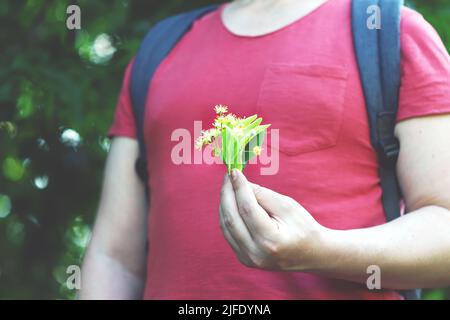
(303, 79)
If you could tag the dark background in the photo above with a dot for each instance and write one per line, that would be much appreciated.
(58, 90)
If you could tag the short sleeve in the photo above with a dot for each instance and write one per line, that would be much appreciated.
(425, 80)
(124, 123)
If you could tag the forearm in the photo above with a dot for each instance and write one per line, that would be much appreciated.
(115, 262)
(114, 266)
(412, 251)
(104, 277)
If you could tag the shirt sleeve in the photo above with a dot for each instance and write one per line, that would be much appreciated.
(425, 78)
(124, 122)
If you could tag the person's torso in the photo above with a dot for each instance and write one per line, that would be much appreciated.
(302, 79)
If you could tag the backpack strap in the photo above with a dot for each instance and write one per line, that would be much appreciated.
(157, 44)
(378, 55)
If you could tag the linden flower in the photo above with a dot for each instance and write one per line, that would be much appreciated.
(236, 140)
(231, 119)
(207, 137)
(210, 135)
(199, 143)
(257, 150)
(219, 122)
(221, 109)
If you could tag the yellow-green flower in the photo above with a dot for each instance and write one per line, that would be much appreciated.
(257, 150)
(199, 143)
(241, 138)
(221, 109)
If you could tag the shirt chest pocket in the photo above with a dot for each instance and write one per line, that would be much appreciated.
(305, 102)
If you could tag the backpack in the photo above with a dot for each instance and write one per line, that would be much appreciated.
(378, 57)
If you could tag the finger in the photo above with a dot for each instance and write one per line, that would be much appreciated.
(276, 204)
(230, 219)
(242, 255)
(255, 217)
(228, 235)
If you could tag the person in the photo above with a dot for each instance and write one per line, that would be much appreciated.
(316, 228)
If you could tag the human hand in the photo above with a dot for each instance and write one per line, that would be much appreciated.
(266, 229)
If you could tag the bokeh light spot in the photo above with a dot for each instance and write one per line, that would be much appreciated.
(70, 137)
(5, 206)
(13, 169)
(105, 143)
(102, 49)
(41, 182)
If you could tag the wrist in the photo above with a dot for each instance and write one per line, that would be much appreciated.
(325, 251)
(320, 249)
(336, 249)
(313, 253)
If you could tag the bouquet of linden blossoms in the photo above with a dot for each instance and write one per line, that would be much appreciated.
(235, 140)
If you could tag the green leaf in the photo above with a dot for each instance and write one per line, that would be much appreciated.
(13, 169)
(257, 140)
(254, 132)
(24, 104)
(248, 120)
(253, 125)
(435, 294)
(5, 205)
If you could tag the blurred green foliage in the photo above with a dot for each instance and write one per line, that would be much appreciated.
(437, 12)
(58, 89)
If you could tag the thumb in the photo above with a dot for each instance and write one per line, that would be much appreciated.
(276, 204)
